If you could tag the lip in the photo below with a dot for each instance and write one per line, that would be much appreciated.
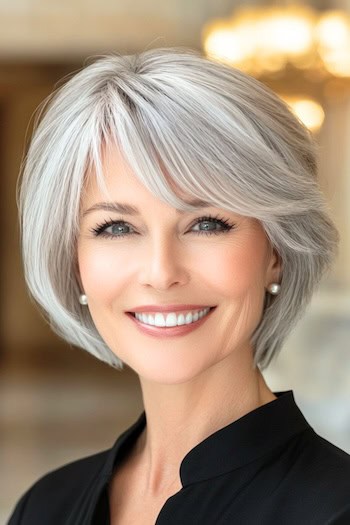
(168, 308)
(170, 331)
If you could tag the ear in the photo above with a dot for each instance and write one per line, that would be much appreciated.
(275, 268)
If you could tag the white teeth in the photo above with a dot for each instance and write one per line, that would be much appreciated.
(171, 319)
(180, 319)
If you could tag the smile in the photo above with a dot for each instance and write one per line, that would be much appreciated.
(171, 319)
(172, 325)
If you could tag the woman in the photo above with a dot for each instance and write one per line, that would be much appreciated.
(171, 221)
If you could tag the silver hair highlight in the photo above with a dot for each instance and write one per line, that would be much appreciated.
(221, 135)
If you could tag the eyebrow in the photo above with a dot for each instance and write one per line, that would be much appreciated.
(127, 209)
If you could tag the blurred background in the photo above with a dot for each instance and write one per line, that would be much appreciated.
(58, 403)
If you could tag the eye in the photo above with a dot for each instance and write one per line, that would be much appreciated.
(111, 229)
(224, 225)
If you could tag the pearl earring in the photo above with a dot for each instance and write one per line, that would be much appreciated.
(83, 299)
(274, 288)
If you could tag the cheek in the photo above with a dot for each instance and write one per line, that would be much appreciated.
(235, 270)
(102, 273)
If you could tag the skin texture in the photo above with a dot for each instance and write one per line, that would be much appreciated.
(194, 384)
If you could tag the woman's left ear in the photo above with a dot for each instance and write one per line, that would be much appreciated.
(275, 269)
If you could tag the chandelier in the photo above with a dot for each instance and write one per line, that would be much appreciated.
(269, 41)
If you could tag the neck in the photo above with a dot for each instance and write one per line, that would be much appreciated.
(179, 416)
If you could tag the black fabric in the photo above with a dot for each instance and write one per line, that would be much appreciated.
(269, 467)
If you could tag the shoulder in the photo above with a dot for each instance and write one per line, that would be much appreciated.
(318, 481)
(66, 495)
(54, 494)
(323, 462)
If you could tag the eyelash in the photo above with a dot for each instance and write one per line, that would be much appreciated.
(99, 231)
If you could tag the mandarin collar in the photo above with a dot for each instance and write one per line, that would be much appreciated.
(244, 440)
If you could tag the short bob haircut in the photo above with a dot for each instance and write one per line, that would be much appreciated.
(221, 135)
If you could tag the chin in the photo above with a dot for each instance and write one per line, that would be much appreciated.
(170, 373)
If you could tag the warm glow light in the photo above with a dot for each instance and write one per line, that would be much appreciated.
(224, 44)
(307, 110)
(333, 34)
(333, 30)
(266, 39)
(286, 31)
(338, 62)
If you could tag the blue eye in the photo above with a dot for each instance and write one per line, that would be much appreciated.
(224, 225)
(115, 229)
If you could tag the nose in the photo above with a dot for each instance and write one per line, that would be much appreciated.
(163, 264)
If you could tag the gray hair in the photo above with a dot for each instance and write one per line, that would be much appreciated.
(220, 134)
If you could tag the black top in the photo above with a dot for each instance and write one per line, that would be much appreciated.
(268, 467)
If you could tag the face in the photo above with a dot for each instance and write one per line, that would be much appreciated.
(162, 257)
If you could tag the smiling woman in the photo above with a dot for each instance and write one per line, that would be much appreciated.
(172, 222)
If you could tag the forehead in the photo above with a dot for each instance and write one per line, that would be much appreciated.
(120, 179)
